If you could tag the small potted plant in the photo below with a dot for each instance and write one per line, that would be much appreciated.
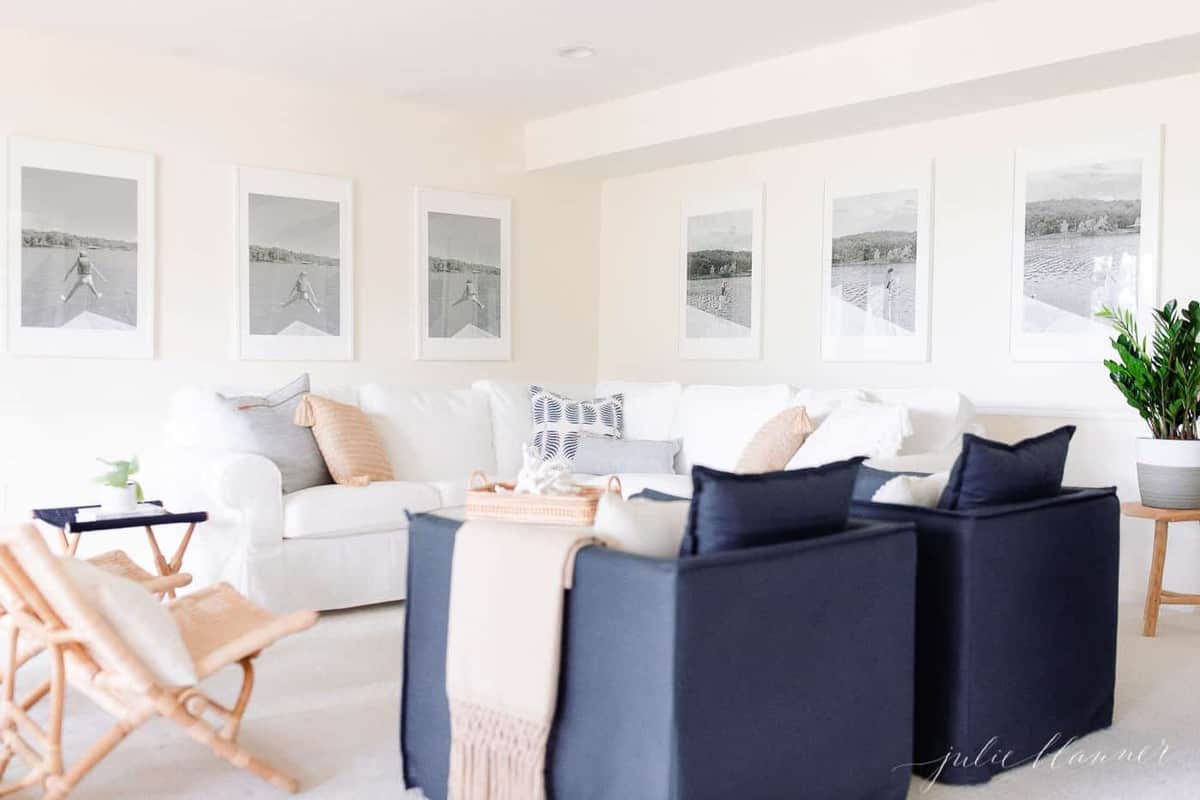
(119, 494)
(1161, 380)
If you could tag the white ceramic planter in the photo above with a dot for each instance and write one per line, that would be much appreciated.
(118, 499)
(1169, 473)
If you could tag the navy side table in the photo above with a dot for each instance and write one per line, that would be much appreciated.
(70, 529)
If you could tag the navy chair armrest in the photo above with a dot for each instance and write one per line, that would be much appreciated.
(794, 668)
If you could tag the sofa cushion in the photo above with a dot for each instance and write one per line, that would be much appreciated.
(820, 403)
(325, 512)
(717, 422)
(431, 435)
(559, 421)
(731, 511)
(650, 409)
(938, 416)
(991, 473)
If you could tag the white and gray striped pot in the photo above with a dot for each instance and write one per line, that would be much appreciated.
(1169, 472)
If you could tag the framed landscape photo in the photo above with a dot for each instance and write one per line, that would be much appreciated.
(1085, 236)
(721, 276)
(464, 276)
(295, 266)
(875, 289)
(80, 255)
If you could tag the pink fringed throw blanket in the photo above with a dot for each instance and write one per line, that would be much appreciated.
(502, 654)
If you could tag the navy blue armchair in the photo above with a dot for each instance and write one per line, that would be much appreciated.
(1016, 629)
(775, 672)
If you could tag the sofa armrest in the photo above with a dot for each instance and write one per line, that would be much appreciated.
(241, 490)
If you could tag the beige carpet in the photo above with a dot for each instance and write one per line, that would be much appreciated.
(326, 708)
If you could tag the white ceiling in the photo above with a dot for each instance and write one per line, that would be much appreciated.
(490, 55)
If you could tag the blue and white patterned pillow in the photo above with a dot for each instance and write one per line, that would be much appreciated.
(558, 421)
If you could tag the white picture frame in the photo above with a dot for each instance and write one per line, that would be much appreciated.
(715, 319)
(1050, 309)
(91, 210)
(469, 236)
(288, 219)
(884, 313)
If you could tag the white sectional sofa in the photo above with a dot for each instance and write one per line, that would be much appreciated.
(336, 546)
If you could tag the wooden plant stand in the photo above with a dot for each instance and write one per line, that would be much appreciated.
(1155, 594)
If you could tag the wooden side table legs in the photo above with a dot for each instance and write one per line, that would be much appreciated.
(1154, 590)
(167, 568)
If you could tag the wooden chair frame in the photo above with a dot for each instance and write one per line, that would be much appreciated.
(43, 607)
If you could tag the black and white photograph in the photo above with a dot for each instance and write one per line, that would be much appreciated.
(1085, 222)
(721, 274)
(81, 250)
(720, 268)
(78, 250)
(876, 270)
(296, 266)
(874, 262)
(463, 275)
(1082, 237)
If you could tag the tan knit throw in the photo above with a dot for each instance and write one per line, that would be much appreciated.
(502, 654)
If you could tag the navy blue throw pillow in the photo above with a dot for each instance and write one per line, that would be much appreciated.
(990, 473)
(731, 511)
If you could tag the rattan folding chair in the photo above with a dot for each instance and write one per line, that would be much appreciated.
(218, 626)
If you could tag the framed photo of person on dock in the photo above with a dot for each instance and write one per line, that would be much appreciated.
(295, 266)
(721, 276)
(875, 290)
(81, 250)
(464, 276)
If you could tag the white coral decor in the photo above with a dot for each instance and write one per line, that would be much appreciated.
(543, 477)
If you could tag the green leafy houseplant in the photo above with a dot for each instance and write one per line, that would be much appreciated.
(1160, 381)
(118, 475)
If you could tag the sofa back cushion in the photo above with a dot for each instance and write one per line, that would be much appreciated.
(938, 416)
(650, 408)
(434, 434)
(731, 511)
(717, 422)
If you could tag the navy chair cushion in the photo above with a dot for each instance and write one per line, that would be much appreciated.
(989, 473)
(731, 511)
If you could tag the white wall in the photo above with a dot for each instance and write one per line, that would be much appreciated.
(971, 268)
(56, 415)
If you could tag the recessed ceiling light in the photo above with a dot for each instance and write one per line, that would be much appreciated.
(576, 52)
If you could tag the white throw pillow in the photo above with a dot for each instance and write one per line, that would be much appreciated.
(913, 490)
(650, 528)
(143, 623)
(854, 429)
(820, 403)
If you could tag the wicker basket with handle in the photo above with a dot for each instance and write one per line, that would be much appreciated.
(484, 502)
